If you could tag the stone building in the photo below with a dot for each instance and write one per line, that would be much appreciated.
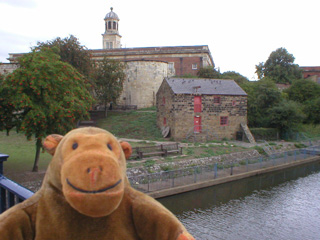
(6, 68)
(146, 66)
(205, 108)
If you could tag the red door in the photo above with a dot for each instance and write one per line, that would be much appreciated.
(197, 103)
(197, 124)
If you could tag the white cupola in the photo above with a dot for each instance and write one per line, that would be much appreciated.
(111, 37)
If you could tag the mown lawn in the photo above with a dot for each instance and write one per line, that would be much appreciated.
(21, 153)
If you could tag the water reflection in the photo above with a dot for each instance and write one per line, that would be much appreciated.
(284, 205)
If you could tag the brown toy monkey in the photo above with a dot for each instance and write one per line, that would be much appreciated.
(86, 195)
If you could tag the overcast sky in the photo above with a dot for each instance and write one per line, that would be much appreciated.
(240, 34)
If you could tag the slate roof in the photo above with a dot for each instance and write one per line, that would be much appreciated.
(205, 86)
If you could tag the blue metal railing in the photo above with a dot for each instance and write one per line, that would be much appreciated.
(11, 193)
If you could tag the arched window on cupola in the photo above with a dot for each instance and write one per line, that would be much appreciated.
(114, 25)
(109, 25)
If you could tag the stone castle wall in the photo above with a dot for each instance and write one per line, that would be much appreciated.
(142, 82)
(6, 68)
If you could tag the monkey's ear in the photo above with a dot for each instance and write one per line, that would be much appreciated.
(51, 142)
(127, 149)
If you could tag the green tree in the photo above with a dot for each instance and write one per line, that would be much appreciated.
(286, 116)
(303, 90)
(237, 77)
(208, 72)
(43, 96)
(312, 109)
(70, 51)
(108, 78)
(262, 96)
(279, 67)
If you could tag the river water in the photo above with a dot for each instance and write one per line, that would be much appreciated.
(283, 205)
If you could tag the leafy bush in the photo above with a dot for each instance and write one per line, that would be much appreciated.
(299, 145)
(149, 163)
(265, 133)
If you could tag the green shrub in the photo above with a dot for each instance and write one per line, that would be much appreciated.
(265, 133)
(166, 168)
(149, 163)
(259, 149)
(299, 145)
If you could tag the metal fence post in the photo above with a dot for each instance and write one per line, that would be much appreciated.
(215, 170)
(295, 155)
(305, 153)
(285, 156)
(231, 170)
(195, 174)
(172, 176)
(247, 164)
(260, 160)
(273, 159)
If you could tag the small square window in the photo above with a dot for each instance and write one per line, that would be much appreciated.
(194, 66)
(223, 121)
(234, 102)
(164, 121)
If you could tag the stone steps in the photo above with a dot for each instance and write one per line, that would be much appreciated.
(248, 133)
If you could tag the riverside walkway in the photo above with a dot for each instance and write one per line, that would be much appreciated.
(177, 181)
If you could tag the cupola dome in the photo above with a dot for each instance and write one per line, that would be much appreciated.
(112, 15)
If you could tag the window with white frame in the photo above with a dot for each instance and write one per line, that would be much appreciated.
(171, 66)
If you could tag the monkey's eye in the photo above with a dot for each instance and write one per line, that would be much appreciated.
(109, 146)
(74, 146)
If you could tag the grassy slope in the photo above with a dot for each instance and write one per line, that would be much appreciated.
(135, 124)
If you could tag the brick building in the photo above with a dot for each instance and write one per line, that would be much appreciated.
(181, 60)
(205, 108)
(312, 73)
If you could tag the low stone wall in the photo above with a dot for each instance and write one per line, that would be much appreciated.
(237, 156)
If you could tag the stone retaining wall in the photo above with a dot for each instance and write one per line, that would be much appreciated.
(237, 156)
